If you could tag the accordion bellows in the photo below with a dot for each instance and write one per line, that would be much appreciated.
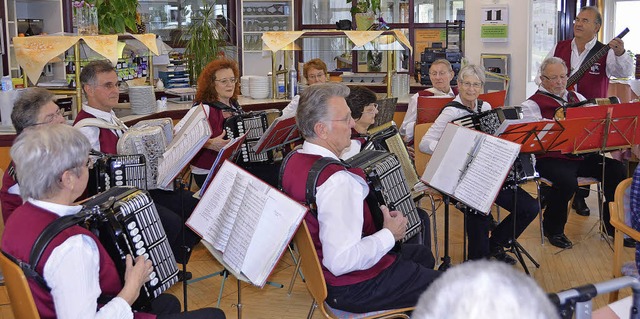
(143, 99)
(149, 138)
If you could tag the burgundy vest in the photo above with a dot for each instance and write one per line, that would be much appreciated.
(548, 106)
(26, 224)
(108, 139)
(9, 201)
(594, 83)
(294, 182)
(205, 157)
(429, 93)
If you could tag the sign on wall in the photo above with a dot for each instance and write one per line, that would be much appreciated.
(495, 23)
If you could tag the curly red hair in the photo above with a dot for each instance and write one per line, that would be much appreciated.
(206, 86)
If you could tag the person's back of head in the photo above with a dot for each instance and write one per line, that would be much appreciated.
(484, 289)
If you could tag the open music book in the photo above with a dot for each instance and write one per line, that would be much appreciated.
(228, 152)
(470, 166)
(191, 133)
(249, 222)
(281, 131)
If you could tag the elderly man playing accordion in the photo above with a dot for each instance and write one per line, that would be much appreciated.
(563, 169)
(470, 83)
(361, 270)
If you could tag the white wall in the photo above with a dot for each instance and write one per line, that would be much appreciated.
(517, 45)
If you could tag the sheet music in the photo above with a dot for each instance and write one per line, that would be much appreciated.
(189, 139)
(485, 170)
(226, 153)
(281, 134)
(247, 220)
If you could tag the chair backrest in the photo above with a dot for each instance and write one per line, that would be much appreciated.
(496, 99)
(621, 200)
(429, 108)
(311, 268)
(22, 302)
(421, 159)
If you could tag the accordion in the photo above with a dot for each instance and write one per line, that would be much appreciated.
(126, 222)
(387, 186)
(149, 138)
(489, 121)
(116, 170)
(387, 138)
(254, 124)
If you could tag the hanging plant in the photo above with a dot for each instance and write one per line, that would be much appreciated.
(116, 16)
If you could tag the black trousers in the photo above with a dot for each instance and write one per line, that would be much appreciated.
(398, 286)
(563, 173)
(167, 306)
(479, 244)
(174, 207)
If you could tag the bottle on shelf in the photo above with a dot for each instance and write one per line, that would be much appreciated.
(293, 83)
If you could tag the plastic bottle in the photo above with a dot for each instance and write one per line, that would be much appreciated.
(293, 83)
(7, 84)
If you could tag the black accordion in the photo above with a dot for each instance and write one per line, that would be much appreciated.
(254, 124)
(489, 121)
(116, 170)
(387, 186)
(387, 138)
(127, 223)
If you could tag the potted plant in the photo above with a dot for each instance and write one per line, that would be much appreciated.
(364, 12)
(116, 16)
(205, 39)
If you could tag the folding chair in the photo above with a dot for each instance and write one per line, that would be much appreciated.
(22, 303)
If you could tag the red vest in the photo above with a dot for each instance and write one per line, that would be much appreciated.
(294, 184)
(429, 93)
(108, 139)
(9, 201)
(594, 83)
(205, 158)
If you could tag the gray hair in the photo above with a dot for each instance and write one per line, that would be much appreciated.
(471, 69)
(90, 71)
(595, 11)
(27, 107)
(552, 60)
(484, 289)
(42, 153)
(313, 106)
(444, 62)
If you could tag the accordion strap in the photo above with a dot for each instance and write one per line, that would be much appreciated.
(96, 122)
(48, 234)
(312, 179)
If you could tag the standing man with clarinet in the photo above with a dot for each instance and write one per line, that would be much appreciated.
(591, 63)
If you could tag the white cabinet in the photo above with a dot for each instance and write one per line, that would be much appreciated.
(258, 17)
(42, 15)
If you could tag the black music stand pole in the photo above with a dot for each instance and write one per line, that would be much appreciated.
(185, 249)
(514, 245)
(446, 259)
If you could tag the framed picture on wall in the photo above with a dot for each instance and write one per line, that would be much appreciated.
(542, 34)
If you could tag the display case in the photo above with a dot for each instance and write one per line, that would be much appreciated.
(258, 17)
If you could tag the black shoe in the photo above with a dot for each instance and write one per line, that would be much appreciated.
(502, 256)
(629, 242)
(581, 207)
(559, 240)
(182, 276)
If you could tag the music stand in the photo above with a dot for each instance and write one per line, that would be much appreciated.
(535, 137)
(279, 133)
(609, 127)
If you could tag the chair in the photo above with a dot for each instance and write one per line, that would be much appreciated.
(421, 158)
(429, 108)
(314, 279)
(22, 302)
(617, 208)
(496, 99)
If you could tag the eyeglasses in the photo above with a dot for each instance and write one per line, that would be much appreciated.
(49, 118)
(475, 85)
(555, 78)
(372, 111)
(583, 20)
(438, 73)
(316, 76)
(346, 119)
(229, 81)
(109, 85)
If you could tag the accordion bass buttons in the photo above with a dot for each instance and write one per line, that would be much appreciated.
(136, 238)
(132, 225)
(134, 232)
(142, 251)
(154, 281)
